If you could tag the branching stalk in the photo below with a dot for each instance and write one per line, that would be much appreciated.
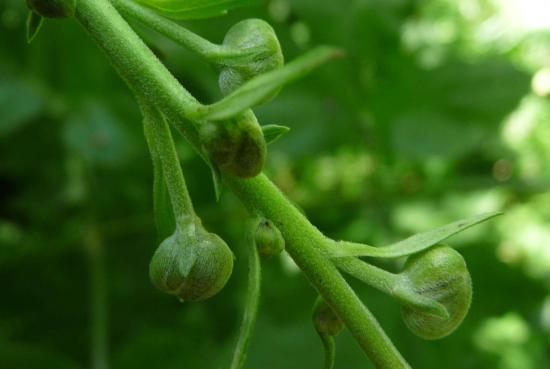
(395, 285)
(214, 53)
(144, 73)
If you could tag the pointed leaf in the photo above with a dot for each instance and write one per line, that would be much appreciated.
(413, 244)
(259, 88)
(272, 132)
(217, 180)
(34, 22)
(195, 9)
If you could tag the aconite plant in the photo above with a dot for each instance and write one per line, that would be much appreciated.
(434, 287)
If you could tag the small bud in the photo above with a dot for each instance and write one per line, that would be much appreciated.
(269, 240)
(250, 33)
(325, 319)
(53, 8)
(211, 265)
(439, 274)
(237, 146)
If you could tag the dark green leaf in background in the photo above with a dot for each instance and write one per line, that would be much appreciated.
(19, 103)
(196, 9)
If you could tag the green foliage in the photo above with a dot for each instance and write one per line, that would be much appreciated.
(257, 90)
(195, 9)
(412, 244)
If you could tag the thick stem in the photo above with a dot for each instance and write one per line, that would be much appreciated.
(137, 64)
(143, 72)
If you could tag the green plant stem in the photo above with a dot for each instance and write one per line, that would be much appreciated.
(160, 139)
(304, 244)
(137, 64)
(212, 52)
(395, 285)
(373, 276)
(143, 72)
(98, 297)
(251, 303)
(329, 348)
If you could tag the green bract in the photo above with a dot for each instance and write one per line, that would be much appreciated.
(250, 33)
(53, 8)
(236, 146)
(211, 264)
(439, 274)
(325, 319)
(269, 240)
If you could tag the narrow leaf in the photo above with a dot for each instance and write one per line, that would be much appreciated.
(259, 88)
(272, 132)
(195, 9)
(217, 181)
(34, 22)
(411, 245)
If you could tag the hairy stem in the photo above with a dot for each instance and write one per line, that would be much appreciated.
(162, 144)
(143, 72)
(395, 285)
(213, 52)
(303, 242)
(378, 278)
(137, 64)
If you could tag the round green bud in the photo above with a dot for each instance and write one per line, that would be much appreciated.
(237, 145)
(53, 8)
(439, 273)
(248, 34)
(208, 274)
(325, 319)
(269, 240)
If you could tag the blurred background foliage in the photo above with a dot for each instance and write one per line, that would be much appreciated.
(439, 111)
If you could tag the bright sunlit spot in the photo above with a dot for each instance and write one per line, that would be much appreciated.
(527, 14)
(541, 82)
